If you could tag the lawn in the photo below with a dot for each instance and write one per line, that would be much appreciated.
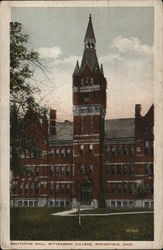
(39, 224)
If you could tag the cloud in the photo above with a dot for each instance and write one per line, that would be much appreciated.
(131, 45)
(53, 52)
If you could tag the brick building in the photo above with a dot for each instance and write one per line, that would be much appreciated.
(91, 160)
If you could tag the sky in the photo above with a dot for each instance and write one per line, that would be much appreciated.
(124, 44)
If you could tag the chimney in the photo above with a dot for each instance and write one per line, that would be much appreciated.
(138, 110)
(52, 122)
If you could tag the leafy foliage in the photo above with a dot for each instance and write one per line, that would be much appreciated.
(25, 111)
(141, 192)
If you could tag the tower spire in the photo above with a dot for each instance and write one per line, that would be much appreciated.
(89, 55)
(89, 35)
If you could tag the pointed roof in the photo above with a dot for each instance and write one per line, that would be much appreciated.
(76, 70)
(90, 33)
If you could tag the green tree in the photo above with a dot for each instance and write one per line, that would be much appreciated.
(24, 109)
(141, 192)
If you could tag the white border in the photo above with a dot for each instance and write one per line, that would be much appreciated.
(4, 125)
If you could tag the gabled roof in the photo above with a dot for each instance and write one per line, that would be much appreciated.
(90, 32)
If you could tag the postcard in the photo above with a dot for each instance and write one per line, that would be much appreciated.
(81, 124)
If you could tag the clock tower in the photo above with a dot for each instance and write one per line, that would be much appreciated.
(89, 109)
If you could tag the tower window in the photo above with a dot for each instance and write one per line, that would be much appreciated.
(82, 125)
(91, 168)
(125, 169)
(113, 150)
(82, 168)
(82, 82)
(92, 80)
(81, 149)
(125, 151)
(119, 150)
(91, 148)
(91, 124)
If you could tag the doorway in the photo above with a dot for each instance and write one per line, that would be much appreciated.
(86, 193)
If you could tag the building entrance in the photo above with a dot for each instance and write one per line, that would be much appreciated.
(86, 193)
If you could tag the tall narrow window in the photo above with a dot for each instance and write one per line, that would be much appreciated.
(125, 151)
(67, 188)
(131, 188)
(81, 149)
(118, 169)
(26, 188)
(57, 188)
(125, 170)
(107, 187)
(36, 188)
(62, 188)
(37, 171)
(132, 169)
(63, 170)
(113, 188)
(125, 187)
(31, 188)
(119, 187)
(51, 170)
(51, 188)
(91, 168)
(21, 188)
(68, 171)
(146, 170)
(82, 168)
(91, 124)
(57, 171)
(91, 148)
(82, 125)
(112, 170)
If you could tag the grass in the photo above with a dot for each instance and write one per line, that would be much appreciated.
(39, 224)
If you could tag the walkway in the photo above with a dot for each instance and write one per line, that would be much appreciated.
(74, 210)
